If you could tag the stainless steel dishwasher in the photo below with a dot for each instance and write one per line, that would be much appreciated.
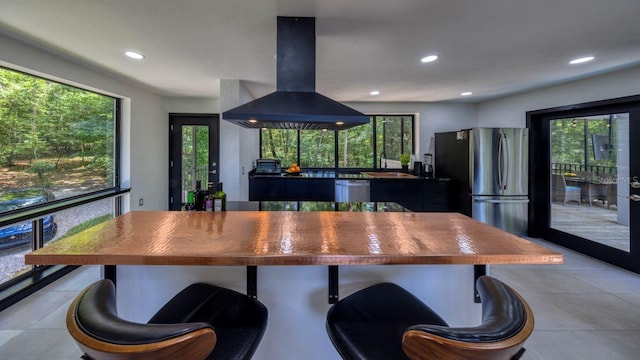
(352, 190)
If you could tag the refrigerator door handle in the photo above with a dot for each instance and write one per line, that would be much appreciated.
(499, 161)
(494, 201)
(505, 185)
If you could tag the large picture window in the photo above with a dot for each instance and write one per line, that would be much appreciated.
(357, 147)
(56, 141)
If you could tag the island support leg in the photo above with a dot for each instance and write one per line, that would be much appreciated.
(333, 284)
(252, 282)
(478, 270)
(110, 273)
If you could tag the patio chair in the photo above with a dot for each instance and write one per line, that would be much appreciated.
(563, 193)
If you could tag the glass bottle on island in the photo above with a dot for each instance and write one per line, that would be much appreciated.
(220, 199)
(191, 201)
(200, 196)
(209, 199)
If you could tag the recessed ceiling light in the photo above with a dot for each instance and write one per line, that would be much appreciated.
(581, 60)
(134, 55)
(339, 122)
(466, 93)
(374, 93)
(253, 121)
(430, 58)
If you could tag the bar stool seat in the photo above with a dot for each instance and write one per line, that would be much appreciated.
(369, 324)
(385, 321)
(201, 322)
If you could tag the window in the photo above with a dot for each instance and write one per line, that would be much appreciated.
(317, 149)
(279, 144)
(395, 135)
(356, 147)
(53, 137)
(56, 142)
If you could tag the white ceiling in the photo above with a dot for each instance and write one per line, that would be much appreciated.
(490, 47)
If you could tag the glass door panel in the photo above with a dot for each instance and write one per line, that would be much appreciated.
(195, 158)
(193, 154)
(590, 178)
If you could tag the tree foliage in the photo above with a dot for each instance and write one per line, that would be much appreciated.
(41, 119)
(317, 148)
(572, 143)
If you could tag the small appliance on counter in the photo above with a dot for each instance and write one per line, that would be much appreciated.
(427, 163)
(418, 169)
(268, 167)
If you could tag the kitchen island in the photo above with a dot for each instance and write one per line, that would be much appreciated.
(430, 254)
(413, 192)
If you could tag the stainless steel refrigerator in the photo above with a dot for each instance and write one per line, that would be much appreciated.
(489, 170)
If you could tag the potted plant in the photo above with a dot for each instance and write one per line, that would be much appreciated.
(404, 161)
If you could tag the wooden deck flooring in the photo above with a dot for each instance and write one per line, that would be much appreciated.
(596, 223)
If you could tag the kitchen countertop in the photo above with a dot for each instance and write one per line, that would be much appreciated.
(320, 174)
(314, 206)
(291, 238)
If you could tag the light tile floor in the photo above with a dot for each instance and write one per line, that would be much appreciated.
(584, 309)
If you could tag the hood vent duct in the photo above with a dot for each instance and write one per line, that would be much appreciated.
(295, 104)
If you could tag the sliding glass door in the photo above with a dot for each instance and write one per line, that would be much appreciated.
(590, 178)
(585, 188)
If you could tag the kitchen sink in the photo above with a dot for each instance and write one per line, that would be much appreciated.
(388, 175)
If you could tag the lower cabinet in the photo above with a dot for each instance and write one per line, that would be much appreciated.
(414, 194)
(291, 189)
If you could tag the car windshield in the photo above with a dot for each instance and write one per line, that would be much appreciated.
(15, 199)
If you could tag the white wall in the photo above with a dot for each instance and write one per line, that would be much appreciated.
(431, 118)
(239, 147)
(511, 111)
(144, 120)
(192, 105)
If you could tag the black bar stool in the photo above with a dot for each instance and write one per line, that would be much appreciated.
(385, 321)
(201, 322)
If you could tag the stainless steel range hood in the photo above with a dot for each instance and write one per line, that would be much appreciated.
(296, 104)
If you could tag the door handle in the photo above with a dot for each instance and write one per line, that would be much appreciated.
(503, 201)
(499, 162)
(634, 197)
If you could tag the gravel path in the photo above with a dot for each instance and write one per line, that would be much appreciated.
(12, 260)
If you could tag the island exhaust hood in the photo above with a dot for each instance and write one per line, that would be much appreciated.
(296, 104)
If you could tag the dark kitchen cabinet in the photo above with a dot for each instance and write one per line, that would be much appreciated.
(291, 189)
(414, 194)
(436, 195)
(406, 192)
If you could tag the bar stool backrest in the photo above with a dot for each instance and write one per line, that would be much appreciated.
(507, 321)
(93, 322)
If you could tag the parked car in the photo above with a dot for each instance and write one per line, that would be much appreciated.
(19, 234)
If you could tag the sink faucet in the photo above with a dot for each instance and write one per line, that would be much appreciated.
(383, 155)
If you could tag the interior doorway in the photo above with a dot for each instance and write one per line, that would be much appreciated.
(194, 148)
(585, 187)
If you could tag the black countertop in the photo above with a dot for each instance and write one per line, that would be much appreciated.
(315, 206)
(329, 174)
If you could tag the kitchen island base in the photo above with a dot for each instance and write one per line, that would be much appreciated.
(296, 297)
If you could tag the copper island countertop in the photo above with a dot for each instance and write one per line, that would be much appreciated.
(291, 238)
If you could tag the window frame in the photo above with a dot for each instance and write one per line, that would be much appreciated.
(20, 286)
(8, 217)
(376, 152)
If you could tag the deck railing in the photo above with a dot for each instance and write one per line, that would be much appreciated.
(597, 170)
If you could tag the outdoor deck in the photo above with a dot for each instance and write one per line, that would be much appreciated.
(595, 223)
